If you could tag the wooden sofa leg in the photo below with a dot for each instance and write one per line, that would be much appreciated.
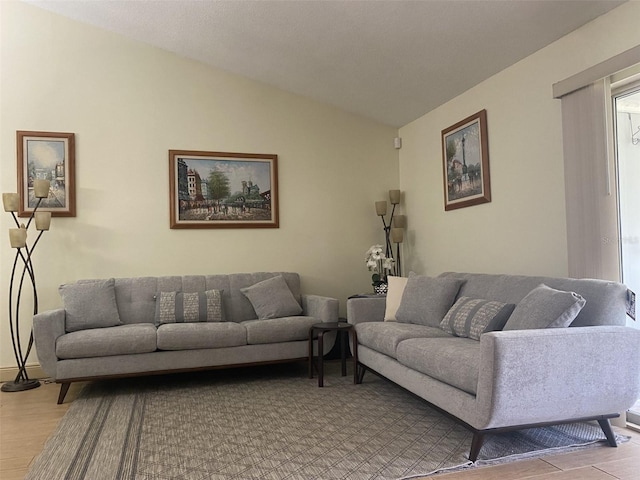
(476, 445)
(605, 424)
(64, 388)
(361, 371)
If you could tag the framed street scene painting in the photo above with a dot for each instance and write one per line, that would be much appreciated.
(47, 156)
(223, 190)
(465, 162)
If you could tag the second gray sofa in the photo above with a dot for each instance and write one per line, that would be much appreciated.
(450, 345)
(152, 325)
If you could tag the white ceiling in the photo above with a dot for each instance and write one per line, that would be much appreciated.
(392, 61)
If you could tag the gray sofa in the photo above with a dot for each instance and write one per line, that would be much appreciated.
(514, 375)
(154, 325)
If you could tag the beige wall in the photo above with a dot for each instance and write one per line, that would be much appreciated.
(523, 229)
(128, 104)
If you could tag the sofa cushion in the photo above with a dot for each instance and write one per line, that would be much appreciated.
(192, 336)
(545, 307)
(90, 305)
(384, 337)
(471, 317)
(426, 300)
(272, 298)
(451, 360)
(108, 341)
(284, 329)
(186, 307)
(394, 297)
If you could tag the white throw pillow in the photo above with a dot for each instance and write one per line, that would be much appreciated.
(394, 296)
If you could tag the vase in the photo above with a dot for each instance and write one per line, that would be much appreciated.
(380, 288)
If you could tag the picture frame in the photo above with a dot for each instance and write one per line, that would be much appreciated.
(223, 190)
(46, 156)
(465, 163)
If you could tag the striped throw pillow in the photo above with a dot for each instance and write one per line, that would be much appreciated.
(182, 307)
(471, 317)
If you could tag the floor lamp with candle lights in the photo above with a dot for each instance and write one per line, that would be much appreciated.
(394, 229)
(23, 267)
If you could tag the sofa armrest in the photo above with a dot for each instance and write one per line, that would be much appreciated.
(324, 309)
(366, 309)
(534, 376)
(47, 327)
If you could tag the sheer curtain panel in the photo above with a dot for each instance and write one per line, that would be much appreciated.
(592, 217)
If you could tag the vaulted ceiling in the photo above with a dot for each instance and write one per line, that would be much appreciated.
(391, 61)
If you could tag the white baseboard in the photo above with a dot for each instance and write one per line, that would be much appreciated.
(620, 421)
(8, 374)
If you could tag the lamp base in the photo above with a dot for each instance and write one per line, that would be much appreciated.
(20, 386)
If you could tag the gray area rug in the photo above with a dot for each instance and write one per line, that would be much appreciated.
(269, 423)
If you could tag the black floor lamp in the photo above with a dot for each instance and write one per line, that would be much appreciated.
(23, 267)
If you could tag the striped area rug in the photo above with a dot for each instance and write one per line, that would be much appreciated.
(267, 423)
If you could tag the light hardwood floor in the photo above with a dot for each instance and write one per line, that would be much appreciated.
(28, 418)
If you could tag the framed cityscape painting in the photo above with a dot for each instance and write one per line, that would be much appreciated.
(223, 190)
(465, 162)
(47, 156)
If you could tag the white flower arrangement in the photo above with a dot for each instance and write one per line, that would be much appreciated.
(377, 262)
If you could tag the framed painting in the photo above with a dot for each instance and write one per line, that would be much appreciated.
(47, 156)
(465, 163)
(223, 190)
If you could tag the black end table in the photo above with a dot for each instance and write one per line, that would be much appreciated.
(321, 329)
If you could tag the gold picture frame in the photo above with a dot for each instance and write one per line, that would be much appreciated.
(223, 190)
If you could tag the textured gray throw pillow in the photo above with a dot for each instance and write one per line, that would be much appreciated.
(272, 298)
(545, 307)
(471, 317)
(90, 305)
(181, 307)
(426, 300)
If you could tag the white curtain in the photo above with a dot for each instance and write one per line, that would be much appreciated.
(591, 203)
(589, 167)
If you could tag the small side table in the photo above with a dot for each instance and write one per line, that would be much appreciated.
(321, 329)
